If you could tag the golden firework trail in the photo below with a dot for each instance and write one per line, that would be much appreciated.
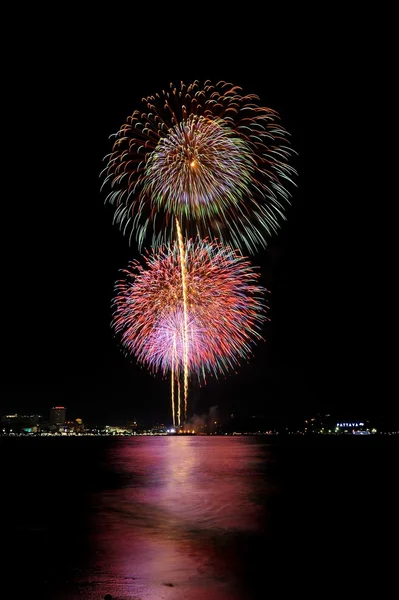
(183, 266)
(178, 403)
(173, 381)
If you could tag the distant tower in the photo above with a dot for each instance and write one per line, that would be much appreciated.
(57, 415)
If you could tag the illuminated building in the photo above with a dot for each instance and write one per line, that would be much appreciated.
(24, 423)
(354, 426)
(78, 426)
(57, 415)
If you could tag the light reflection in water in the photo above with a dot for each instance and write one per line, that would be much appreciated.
(175, 514)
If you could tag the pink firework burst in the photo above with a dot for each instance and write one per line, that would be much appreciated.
(225, 309)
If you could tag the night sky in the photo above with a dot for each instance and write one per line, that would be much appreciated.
(61, 253)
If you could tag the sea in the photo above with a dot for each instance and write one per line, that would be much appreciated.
(199, 517)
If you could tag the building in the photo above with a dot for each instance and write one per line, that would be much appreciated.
(57, 415)
(354, 426)
(324, 424)
(20, 423)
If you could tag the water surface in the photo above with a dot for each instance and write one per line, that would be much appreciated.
(202, 518)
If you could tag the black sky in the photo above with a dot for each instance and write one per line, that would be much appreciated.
(61, 253)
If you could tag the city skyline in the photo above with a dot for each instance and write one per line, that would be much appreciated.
(59, 421)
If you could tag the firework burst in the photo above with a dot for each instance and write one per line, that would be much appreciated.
(225, 309)
(208, 157)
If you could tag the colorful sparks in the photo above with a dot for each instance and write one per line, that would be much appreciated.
(210, 328)
(207, 157)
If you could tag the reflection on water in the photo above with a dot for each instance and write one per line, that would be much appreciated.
(170, 526)
(198, 518)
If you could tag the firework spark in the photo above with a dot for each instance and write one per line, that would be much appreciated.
(208, 156)
(223, 318)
